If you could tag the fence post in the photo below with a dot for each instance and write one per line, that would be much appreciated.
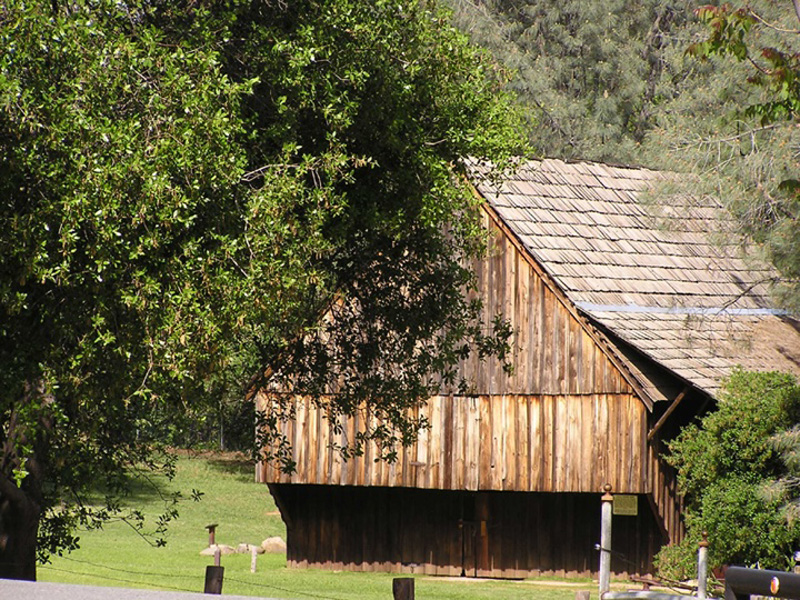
(212, 528)
(403, 588)
(253, 557)
(214, 577)
(605, 540)
(702, 567)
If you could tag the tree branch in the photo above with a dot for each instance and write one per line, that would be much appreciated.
(259, 172)
(763, 21)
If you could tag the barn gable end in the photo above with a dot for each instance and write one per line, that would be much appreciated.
(565, 420)
(555, 349)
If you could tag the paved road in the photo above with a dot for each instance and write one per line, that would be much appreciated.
(40, 590)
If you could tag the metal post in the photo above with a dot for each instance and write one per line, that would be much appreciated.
(214, 577)
(702, 567)
(403, 588)
(605, 540)
(211, 531)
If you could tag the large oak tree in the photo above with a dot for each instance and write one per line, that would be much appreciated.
(185, 187)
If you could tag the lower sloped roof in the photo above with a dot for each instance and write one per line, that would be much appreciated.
(659, 276)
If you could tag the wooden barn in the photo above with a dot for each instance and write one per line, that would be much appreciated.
(626, 317)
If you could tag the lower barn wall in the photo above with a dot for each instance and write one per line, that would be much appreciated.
(483, 534)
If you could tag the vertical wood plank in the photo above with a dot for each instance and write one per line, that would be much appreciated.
(440, 427)
(568, 385)
(603, 436)
(509, 306)
(534, 385)
(577, 334)
(486, 446)
(562, 451)
(535, 443)
(422, 467)
(541, 353)
(449, 425)
(522, 309)
(551, 345)
(586, 433)
(496, 457)
(456, 469)
(472, 444)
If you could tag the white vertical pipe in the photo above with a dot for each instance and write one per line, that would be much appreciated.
(605, 540)
(702, 567)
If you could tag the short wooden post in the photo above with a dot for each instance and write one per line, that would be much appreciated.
(214, 577)
(605, 540)
(217, 557)
(253, 555)
(582, 595)
(211, 533)
(702, 567)
(403, 588)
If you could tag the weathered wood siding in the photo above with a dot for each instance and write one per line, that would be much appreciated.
(567, 420)
(483, 534)
(667, 502)
(512, 442)
(554, 350)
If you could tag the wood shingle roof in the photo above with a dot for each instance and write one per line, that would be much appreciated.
(657, 276)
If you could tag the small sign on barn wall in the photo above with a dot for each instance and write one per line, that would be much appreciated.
(626, 504)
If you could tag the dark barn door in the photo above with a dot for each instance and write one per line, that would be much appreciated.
(474, 526)
(469, 534)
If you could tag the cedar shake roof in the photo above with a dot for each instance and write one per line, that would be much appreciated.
(655, 277)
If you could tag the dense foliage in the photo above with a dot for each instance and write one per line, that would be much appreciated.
(596, 76)
(185, 187)
(727, 466)
(750, 159)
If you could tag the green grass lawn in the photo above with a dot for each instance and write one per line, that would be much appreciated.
(118, 556)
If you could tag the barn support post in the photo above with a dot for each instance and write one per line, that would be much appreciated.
(702, 567)
(605, 540)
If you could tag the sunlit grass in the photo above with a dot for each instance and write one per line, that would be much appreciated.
(118, 556)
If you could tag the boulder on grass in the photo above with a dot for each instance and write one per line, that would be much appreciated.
(223, 549)
(248, 549)
(274, 545)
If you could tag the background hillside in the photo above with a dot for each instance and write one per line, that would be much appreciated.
(610, 80)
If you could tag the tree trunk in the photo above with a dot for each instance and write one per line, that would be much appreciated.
(21, 506)
(19, 527)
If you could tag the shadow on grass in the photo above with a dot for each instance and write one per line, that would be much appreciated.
(139, 489)
(237, 464)
(243, 468)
